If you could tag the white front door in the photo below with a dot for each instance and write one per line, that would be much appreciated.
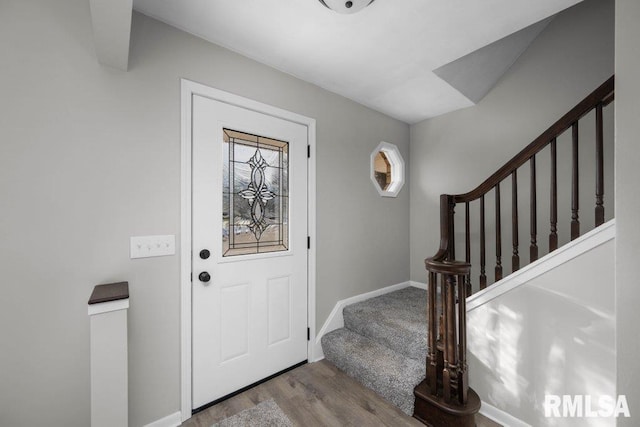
(249, 247)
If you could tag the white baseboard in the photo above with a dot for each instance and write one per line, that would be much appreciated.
(418, 284)
(172, 420)
(565, 253)
(336, 321)
(501, 417)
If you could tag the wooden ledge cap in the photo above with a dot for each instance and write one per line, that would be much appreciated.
(109, 292)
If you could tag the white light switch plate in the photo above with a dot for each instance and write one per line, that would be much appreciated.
(150, 246)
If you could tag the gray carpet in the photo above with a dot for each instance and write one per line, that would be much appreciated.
(383, 344)
(398, 320)
(264, 414)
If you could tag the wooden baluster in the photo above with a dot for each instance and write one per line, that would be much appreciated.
(533, 248)
(575, 188)
(467, 254)
(446, 373)
(440, 345)
(452, 230)
(452, 366)
(553, 203)
(498, 236)
(432, 361)
(599, 167)
(483, 258)
(463, 381)
(467, 233)
(515, 258)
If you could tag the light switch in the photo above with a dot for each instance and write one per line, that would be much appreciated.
(150, 246)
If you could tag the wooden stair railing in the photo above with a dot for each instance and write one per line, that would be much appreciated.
(444, 397)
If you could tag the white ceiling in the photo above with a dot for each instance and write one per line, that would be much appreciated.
(475, 74)
(381, 57)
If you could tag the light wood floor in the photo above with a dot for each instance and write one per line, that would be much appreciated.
(317, 394)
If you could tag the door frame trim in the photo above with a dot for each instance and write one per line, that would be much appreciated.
(189, 88)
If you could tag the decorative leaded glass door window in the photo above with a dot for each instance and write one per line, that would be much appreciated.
(255, 205)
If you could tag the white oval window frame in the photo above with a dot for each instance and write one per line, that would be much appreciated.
(397, 169)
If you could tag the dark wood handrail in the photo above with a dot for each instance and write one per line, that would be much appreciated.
(604, 94)
(448, 267)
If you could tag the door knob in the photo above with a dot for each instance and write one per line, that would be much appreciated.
(204, 277)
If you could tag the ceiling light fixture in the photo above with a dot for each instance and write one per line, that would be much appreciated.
(342, 6)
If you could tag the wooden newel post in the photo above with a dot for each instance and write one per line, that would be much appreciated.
(444, 397)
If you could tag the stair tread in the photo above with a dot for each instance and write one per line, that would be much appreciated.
(387, 372)
(397, 320)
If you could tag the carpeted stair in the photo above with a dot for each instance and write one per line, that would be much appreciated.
(383, 344)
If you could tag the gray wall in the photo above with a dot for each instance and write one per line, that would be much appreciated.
(553, 335)
(455, 152)
(627, 204)
(90, 156)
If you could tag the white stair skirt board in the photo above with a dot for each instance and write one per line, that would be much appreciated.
(172, 420)
(501, 417)
(336, 321)
(565, 253)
